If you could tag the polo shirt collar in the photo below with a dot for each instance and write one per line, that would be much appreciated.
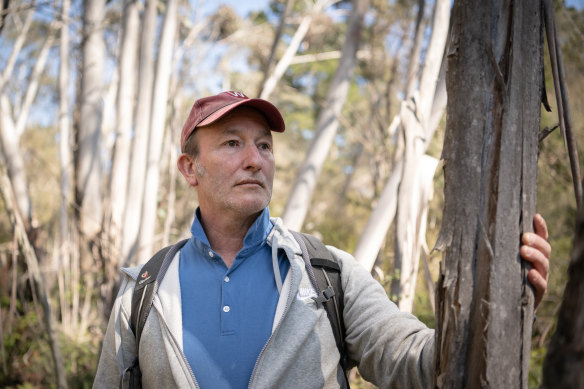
(256, 235)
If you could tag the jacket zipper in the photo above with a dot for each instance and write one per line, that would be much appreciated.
(253, 373)
(182, 354)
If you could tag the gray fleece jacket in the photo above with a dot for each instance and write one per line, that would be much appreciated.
(392, 349)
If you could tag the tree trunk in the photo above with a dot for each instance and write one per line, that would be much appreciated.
(33, 84)
(14, 161)
(414, 62)
(18, 43)
(88, 179)
(327, 123)
(134, 199)
(484, 306)
(270, 83)
(157, 126)
(418, 132)
(277, 36)
(65, 144)
(417, 137)
(564, 361)
(412, 234)
(125, 109)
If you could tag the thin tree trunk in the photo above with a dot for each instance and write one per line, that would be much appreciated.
(157, 126)
(88, 180)
(277, 36)
(33, 84)
(65, 160)
(270, 83)
(125, 110)
(18, 43)
(414, 232)
(413, 64)
(14, 160)
(327, 123)
(484, 307)
(32, 263)
(134, 199)
(417, 136)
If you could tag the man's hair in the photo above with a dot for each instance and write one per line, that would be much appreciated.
(192, 145)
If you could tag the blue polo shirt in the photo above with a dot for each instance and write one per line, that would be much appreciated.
(227, 314)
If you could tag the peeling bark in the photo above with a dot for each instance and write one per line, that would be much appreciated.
(484, 302)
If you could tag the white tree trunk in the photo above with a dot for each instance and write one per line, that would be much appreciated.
(14, 162)
(33, 85)
(284, 62)
(413, 65)
(429, 80)
(327, 123)
(414, 233)
(373, 234)
(157, 125)
(417, 138)
(65, 144)
(88, 180)
(370, 243)
(125, 111)
(18, 43)
(13, 121)
(133, 210)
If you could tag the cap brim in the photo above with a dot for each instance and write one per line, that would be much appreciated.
(271, 113)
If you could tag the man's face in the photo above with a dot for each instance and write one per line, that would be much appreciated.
(234, 169)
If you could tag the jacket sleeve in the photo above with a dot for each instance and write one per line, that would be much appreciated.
(392, 349)
(119, 343)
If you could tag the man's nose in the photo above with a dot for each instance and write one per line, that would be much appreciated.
(253, 158)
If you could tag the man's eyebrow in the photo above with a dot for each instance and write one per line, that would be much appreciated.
(237, 131)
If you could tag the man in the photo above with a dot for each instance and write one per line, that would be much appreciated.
(235, 309)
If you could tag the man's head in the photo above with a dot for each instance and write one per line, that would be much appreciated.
(227, 153)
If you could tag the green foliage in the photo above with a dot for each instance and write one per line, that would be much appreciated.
(29, 359)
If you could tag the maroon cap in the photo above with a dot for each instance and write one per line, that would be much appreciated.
(208, 110)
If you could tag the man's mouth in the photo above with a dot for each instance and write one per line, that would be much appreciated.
(251, 181)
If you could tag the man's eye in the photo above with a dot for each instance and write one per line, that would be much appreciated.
(265, 146)
(231, 143)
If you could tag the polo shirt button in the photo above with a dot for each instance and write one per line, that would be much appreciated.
(226, 308)
(211, 254)
(226, 279)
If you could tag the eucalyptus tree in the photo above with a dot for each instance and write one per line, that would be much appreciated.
(88, 180)
(156, 131)
(327, 123)
(125, 104)
(137, 168)
(13, 118)
(484, 309)
(409, 185)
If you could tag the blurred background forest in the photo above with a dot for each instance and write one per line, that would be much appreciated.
(93, 95)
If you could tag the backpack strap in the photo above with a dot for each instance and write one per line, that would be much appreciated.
(325, 275)
(146, 286)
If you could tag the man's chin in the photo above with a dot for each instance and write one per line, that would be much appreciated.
(251, 206)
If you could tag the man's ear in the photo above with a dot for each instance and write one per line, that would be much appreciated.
(186, 165)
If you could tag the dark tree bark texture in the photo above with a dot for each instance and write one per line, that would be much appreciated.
(564, 361)
(484, 301)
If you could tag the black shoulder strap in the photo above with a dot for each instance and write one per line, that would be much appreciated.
(325, 275)
(147, 284)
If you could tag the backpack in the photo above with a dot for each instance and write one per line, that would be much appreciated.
(324, 273)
